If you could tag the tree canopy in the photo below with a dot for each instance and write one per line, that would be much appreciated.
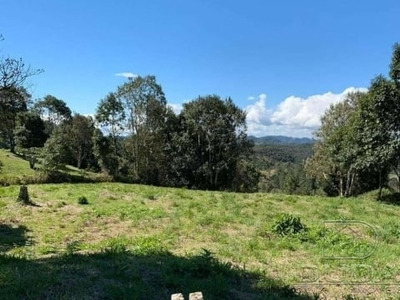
(359, 139)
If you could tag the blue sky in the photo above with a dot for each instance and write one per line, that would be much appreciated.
(283, 61)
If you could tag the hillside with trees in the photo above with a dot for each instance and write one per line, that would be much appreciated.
(134, 135)
(355, 150)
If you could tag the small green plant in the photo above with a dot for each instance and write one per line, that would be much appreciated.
(83, 200)
(288, 224)
(72, 247)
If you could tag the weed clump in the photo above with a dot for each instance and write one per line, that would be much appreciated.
(83, 200)
(288, 224)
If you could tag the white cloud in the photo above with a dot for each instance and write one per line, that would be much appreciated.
(126, 75)
(250, 98)
(294, 116)
(89, 115)
(258, 112)
(177, 108)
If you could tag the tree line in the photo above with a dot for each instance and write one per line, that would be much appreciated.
(358, 143)
(134, 135)
(356, 149)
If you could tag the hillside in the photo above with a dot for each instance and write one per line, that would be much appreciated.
(16, 170)
(280, 140)
(143, 242)
(13, 165)
(289, 153)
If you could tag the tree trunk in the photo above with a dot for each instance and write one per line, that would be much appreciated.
(23, 196)
(398, 179)
(32, 163)
(398, 183)
(12, 144)
(341, 186)
(380, 186)
(352, 178)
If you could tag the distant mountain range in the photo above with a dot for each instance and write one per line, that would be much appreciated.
(280, 140)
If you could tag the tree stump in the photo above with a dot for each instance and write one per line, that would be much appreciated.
(23, 196)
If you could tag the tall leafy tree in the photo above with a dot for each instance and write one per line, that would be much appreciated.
(79, 135)
(145, 108)
(335, 162)
(55, 154)
(176, 172)
(13, 101)
(110, 115)
(379, 126)
(214, 142)
(110, 159)
(394, 69)
(53, 111)
(367, 143)
(30, 131)
(394, 73)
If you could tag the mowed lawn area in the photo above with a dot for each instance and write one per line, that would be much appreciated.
(144, 242)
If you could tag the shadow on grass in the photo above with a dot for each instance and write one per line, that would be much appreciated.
(11, 237)
(390, 198)
(126, 275)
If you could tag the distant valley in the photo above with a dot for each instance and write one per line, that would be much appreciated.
(281, 140)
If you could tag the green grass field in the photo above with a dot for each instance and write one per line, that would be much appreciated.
(14, 166)
(16, 170)
(143, 242)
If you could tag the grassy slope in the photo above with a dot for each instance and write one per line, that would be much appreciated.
(16, 170)
(13, 165)
(133, 240)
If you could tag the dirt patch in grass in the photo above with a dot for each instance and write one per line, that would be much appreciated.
(106, 194)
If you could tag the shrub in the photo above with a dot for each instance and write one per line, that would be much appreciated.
(83, 200)
(288, 224)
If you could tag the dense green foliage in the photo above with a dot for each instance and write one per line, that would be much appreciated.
(282, 168)
(269, 155)
(287, 224)
(358, 144)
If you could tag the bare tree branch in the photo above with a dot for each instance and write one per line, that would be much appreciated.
(14, 72)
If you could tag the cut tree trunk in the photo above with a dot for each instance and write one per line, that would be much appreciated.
(23, 196)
